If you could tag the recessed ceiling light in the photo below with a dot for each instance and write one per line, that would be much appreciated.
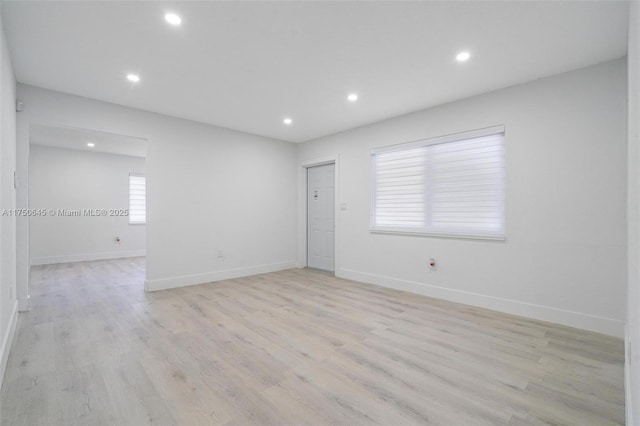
(173, 19)
(91, 144)
(287, 121)
(134, 78)
(463, 56)
(352, 97)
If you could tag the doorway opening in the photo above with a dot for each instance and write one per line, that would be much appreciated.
(87, 192)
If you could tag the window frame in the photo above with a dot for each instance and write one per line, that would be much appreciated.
(142, 175)
(455, 137)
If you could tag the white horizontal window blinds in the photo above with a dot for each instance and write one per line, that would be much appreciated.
(400, 189)
(466, 185)
(137, 198)
(450, 186)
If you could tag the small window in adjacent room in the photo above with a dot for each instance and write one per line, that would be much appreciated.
(446, 186)
(137, 199)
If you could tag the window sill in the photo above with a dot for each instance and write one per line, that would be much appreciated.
(501, 238)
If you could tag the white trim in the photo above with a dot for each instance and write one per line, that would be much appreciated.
(87, 257)
(302, 208)
(23, 304)
(610, 326)
(390, 231)
(208, 277)
(453, 137)
(318, 162)
(7, 341)
(628, 406)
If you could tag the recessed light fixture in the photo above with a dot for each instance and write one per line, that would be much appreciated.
(91, 144)
(173, 19)
(463, 56)
(352, 97)
(134, 78)
(287, 121)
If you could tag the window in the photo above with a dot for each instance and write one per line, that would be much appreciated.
(137, 198)
(447, 186)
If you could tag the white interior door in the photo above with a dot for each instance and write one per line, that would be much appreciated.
(320, 217)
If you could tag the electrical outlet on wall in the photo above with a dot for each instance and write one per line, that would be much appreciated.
(220, 254)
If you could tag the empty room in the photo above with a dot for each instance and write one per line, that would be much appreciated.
(320, 212)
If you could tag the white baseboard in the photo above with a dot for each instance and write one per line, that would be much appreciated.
(581, 320)
(23, 304)
(628, 400)
(87, 257)
(7, 341)
(187, 280)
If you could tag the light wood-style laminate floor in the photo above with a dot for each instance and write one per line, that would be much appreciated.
(292, 347)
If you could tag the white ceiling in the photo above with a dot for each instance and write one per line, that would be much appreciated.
(247, 65)
(72, 138)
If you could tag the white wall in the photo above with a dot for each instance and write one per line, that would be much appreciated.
(74, 179)
(8, 303)
(632, 367)
(564, 257)
(208, 189)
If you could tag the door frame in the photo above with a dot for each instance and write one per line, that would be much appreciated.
(302, 210)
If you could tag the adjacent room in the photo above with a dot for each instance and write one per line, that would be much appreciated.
(319, 213)
(88, 191)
